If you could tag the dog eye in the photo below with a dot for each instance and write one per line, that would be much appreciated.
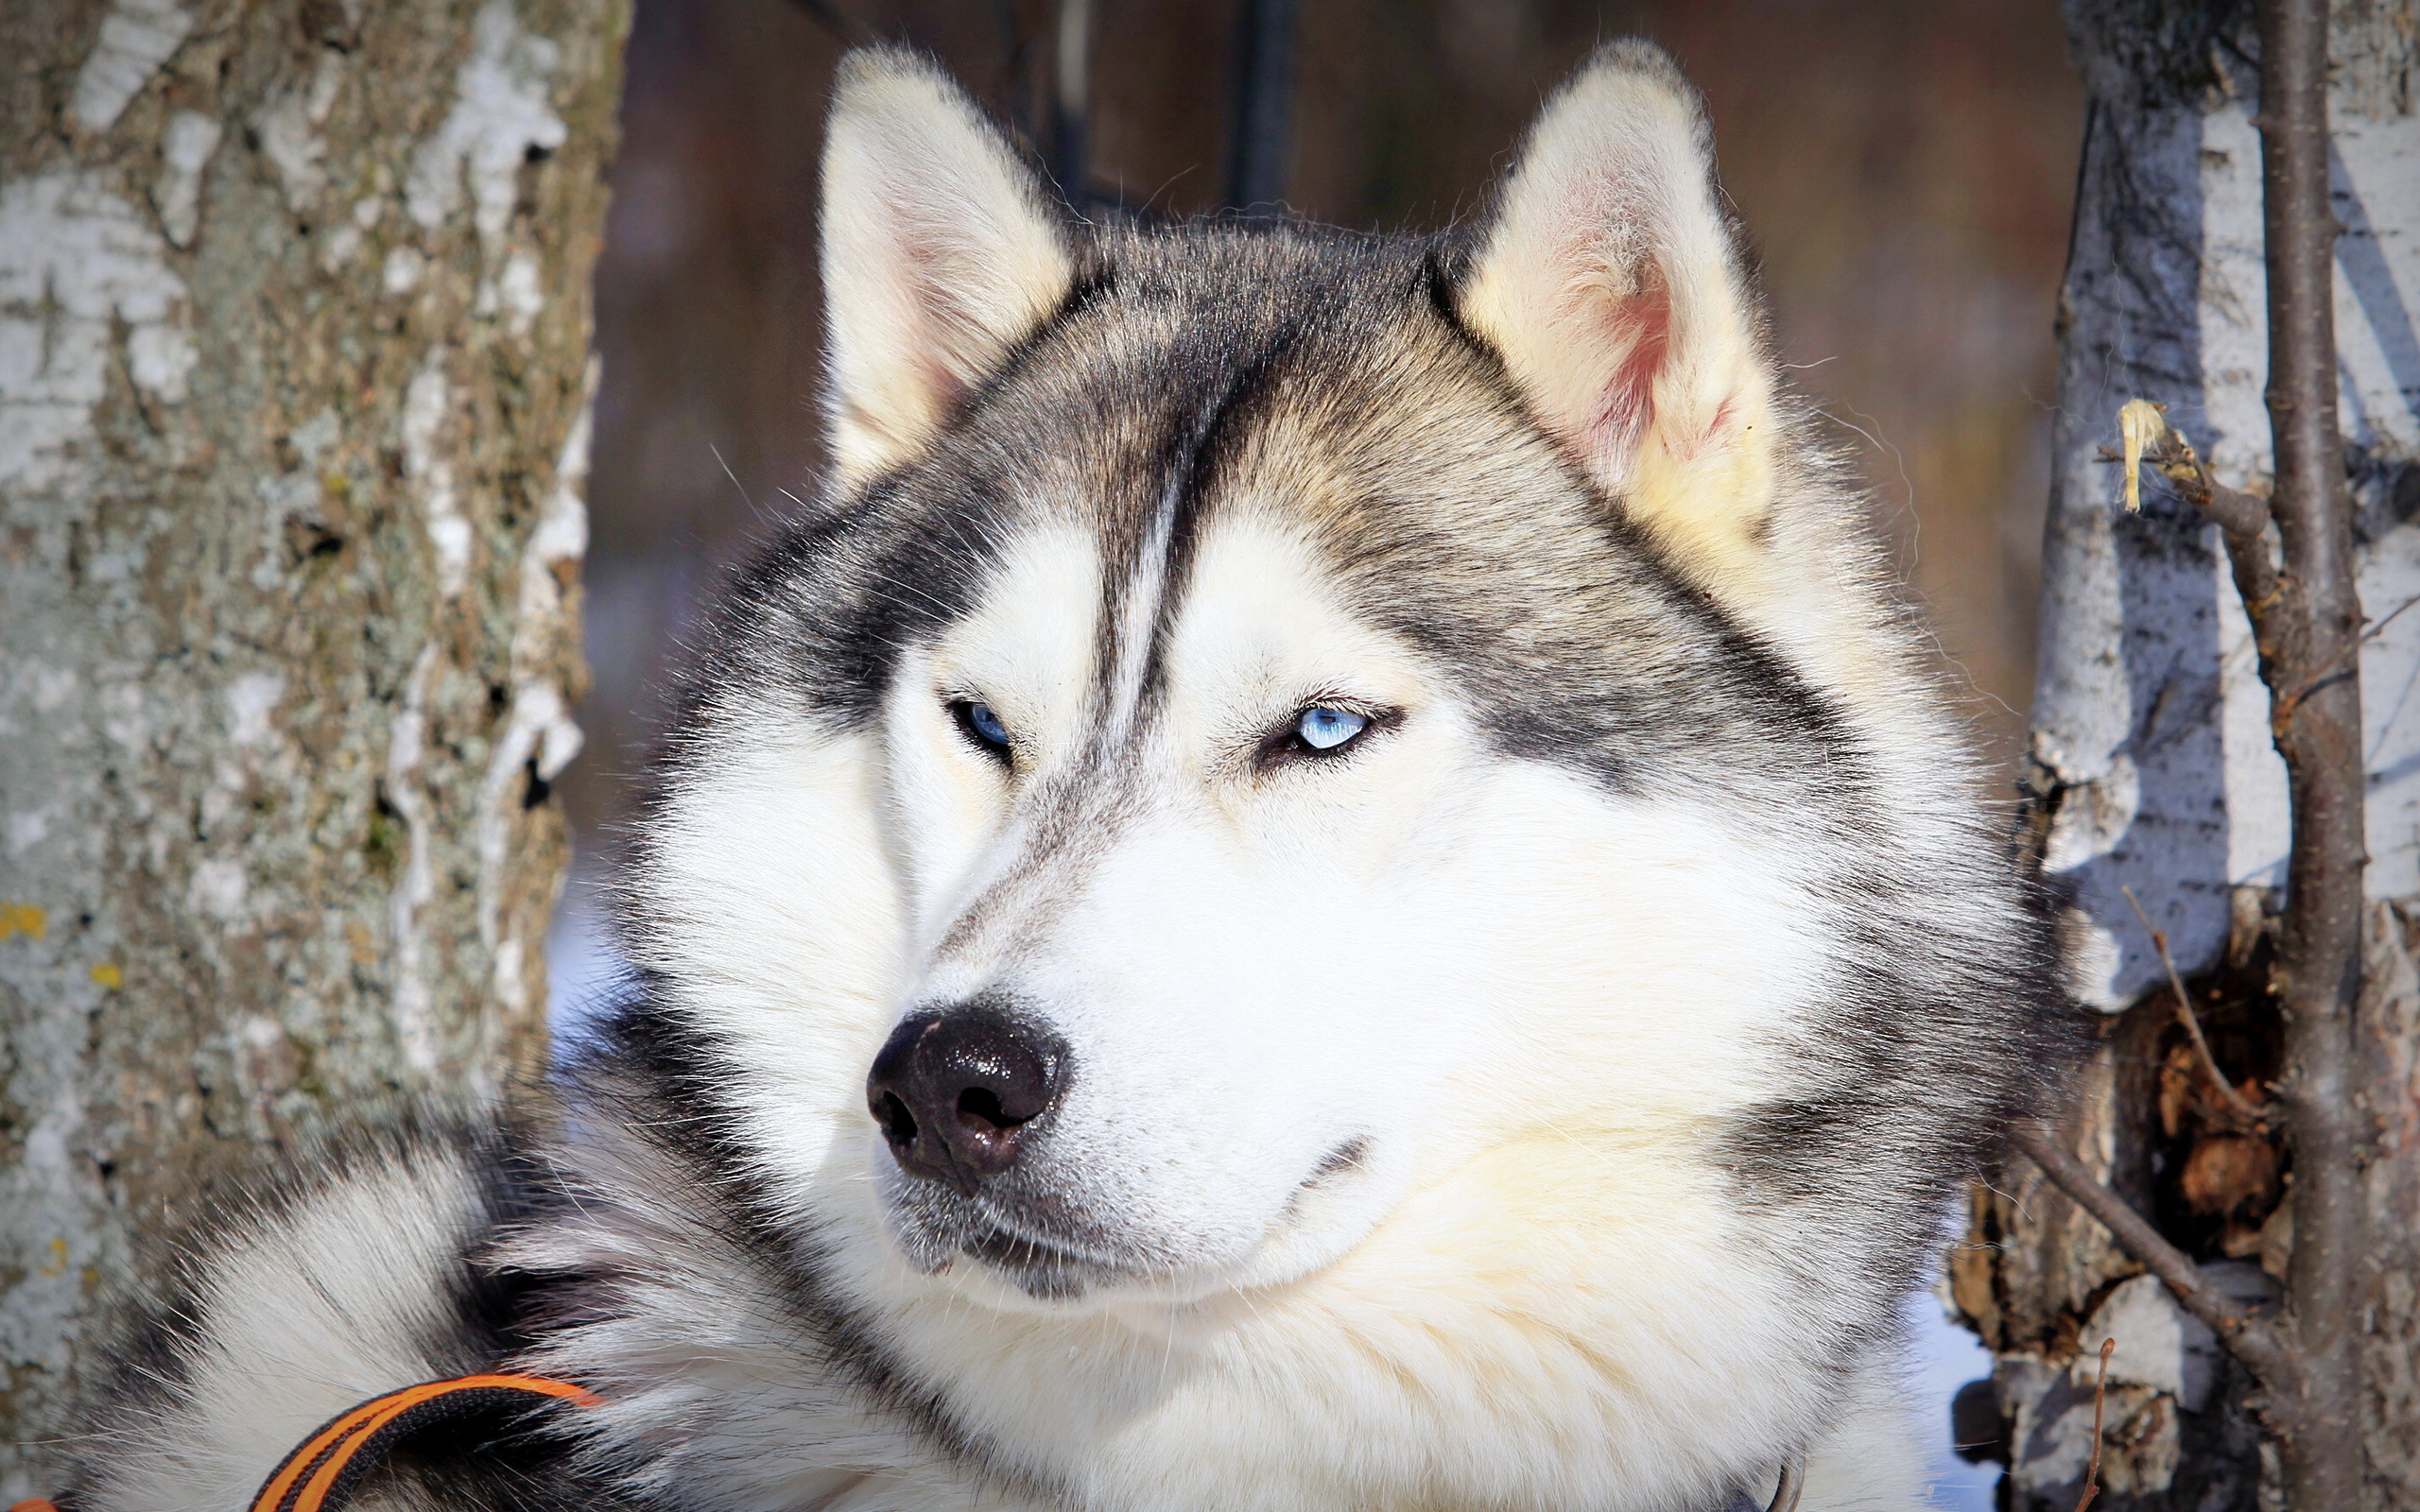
(982, 726)
(1322, 729)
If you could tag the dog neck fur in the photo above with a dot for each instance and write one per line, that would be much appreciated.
(1541, 1299)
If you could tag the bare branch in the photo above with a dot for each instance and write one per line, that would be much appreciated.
(2250, 1340)
(2236, 1101)
(1071, 100)
(2242, 518)
(2309, 657)
(2150, 438)
(2305, 618)
(845, 28)
(1262, 102)
(2100, 1401)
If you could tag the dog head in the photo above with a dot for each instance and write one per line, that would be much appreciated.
(1310, 777)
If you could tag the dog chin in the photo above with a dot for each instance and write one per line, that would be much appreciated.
(1022, 1263)
(1010, 1264)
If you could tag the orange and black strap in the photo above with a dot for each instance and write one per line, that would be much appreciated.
(321, 1472)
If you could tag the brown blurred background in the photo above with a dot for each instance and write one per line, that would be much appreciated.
(1905, 167)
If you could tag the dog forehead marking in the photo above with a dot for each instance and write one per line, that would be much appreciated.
(1248, 632)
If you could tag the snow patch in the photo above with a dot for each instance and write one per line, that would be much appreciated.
(73, 258)
(137, 36)
(449, 532)
(288, 129)
(500, 113)
(191, 139)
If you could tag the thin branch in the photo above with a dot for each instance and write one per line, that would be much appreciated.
(2099, 1400)
(2306, 614)
(1262, 105)
(1071, 100)
(845, 28)
(2255, 1343)
(2378, 628)
(2150, 438)
(2235, 1100)
(2309, 658)
(2242, 518)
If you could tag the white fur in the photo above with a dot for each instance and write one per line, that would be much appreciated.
(1532, 1000)
(1401, 1079)
(1529, 1001)
(300, 1316)
(936, 256)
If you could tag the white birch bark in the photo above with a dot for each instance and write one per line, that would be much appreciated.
(2155, 766)
(2148, 711)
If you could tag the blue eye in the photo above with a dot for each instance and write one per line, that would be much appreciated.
(982, 726)
(1323, 728)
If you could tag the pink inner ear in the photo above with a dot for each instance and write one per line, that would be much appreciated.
(1687, 449)
(938, 333)
(1641, 323)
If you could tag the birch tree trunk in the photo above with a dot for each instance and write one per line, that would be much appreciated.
(2154, 781)
(294, 372)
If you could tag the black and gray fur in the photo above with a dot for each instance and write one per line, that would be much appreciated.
(626, 1226)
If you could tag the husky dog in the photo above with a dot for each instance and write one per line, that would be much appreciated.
(1329, 878)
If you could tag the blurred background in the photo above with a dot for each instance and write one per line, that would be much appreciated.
(1905, 168)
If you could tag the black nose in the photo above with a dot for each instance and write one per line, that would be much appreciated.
(957, 1090)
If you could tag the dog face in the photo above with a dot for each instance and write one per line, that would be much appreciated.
(1309, 787)
(1234, 908)
(1221, 943)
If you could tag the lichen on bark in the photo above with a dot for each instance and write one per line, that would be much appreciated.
(294, 377)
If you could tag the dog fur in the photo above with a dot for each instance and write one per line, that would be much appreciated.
(1546, 1100)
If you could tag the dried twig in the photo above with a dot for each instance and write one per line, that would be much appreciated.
(2148, 437)
(2235, 1100)
(2251, 1340)
(2099, 1400)
(2242, 518)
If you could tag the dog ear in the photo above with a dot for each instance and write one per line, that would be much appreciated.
(1609, 283)
(939, 252)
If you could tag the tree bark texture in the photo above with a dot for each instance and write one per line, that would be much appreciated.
(294, 378)
(2155, 772)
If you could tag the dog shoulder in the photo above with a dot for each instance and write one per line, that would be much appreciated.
(359, 1278)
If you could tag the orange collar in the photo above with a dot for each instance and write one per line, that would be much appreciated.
(320, 1475)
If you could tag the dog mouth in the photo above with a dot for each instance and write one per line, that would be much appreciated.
(1035, 1251)
(1045, 1268)
(1040, 1247)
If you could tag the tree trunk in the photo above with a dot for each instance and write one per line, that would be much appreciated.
(2154, 781)
(293, 375)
